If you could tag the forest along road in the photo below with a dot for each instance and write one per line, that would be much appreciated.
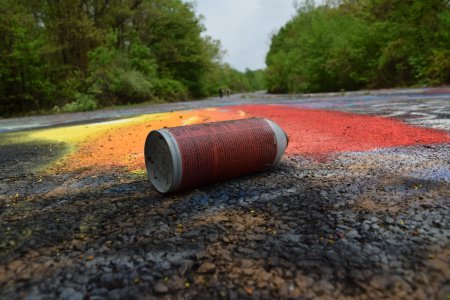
(358, 206)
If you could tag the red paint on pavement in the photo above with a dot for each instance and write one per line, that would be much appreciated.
(319, 133)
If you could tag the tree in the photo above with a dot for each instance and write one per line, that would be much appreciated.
(353, 44)
(23, 81)
(82, 54)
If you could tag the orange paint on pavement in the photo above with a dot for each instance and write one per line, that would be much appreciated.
(123, 146)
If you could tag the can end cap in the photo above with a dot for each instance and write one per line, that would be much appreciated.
(158, 162)
(281, 137)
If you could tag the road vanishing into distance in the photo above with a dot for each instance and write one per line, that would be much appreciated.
(359, 206)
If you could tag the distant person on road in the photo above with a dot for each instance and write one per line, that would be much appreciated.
(221, 92)
(228, 92)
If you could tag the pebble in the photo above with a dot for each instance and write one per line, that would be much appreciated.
(365, 227)
(160, 288)
(444, 292)
(389, 221)
(206, 267)
(70, 294)
(352, 234)
(375, 227)
(371, 250)
(16, 266)
(99, 291)
(246, 263)
(114, 294)
(323, 194)
(293, 238)
(176, 283)
(323, 287)
(380, 282)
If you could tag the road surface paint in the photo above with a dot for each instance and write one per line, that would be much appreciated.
(313, 133)
(319, 133)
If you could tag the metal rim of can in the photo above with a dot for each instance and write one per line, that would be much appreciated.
(165, 174)
(281, 138)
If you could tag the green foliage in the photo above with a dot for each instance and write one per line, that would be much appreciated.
(438, 70)
(256, 80)
(224, 76)
(132, 86)
(75, 55)
(170, 90)
(121, 76)
(23, 81)
(83, 102)
(361, 44)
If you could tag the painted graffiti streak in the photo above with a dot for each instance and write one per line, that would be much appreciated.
(318, 133)
(121, 144)
(313, 133)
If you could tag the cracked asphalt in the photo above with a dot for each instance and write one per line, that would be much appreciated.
(370, 223)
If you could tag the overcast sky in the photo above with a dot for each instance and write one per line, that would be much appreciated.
(244, 27)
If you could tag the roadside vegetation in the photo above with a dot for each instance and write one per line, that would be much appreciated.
(78, 55)
(356, 44)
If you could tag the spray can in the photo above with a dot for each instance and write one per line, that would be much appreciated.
(186, 157)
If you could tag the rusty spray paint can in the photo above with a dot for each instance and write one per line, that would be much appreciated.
(185, 157)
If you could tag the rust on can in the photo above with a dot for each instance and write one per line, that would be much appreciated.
(185, 157)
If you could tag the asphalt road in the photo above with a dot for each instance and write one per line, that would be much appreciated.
(357, 208)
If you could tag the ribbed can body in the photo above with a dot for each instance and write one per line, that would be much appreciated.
(185, 157)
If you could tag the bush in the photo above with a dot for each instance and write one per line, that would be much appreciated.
(170, 90)
(439, 69)
(83, 102)
(133, 86)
